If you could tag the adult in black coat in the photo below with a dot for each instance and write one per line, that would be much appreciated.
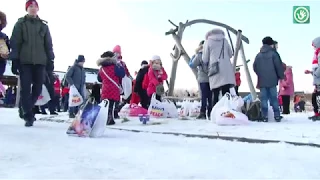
(144, 98)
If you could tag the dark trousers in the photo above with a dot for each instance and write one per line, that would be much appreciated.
(216, 92)
(315, 98)
(112, 105)
(31, 75)
(57, 102)
(237, 90)
(285, 104)
(144, 99)
(65, 102)
(206, 97)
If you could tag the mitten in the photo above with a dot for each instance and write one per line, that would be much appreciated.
(50, 66)
(15, 66)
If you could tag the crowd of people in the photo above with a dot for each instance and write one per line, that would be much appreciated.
(31, 52)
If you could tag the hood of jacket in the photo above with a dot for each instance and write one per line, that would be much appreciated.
(266, 48)
(107, 61)
(215, 34)
(316, 42)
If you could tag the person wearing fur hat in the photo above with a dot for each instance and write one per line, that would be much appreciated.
(110, 75)
(142, 92)
(315, 72)
(30, 59)
(268, 67)
(203, 80)
(76, 76)
(4, 44)
(156, 76)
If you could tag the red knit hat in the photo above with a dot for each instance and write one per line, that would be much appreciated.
(30, 2)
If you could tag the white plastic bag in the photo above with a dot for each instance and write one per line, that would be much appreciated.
(194, 110)
(233, 91)
(44, 97)
(226, 116)
(237, 103)
(126, 86)
(170, 109)
(75, 98)
(185, 108)
(270, 112)
(124, 112)
(156, 108)
(225, 101)
(99, 125)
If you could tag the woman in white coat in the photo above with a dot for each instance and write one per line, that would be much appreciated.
(217, 49)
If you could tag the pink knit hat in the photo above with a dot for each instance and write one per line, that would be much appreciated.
(117, 49)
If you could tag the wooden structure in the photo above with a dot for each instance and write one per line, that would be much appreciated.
(177, 34)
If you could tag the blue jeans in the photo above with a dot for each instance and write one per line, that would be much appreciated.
(271, 95)
(206, 97)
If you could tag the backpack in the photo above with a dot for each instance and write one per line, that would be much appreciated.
(252, 110)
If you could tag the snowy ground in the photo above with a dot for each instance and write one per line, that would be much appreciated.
(46, 152)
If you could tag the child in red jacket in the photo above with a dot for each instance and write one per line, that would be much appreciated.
(110, 75)
(156, 76)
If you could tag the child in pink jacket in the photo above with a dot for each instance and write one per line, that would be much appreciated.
(286, 89)
(156, 75)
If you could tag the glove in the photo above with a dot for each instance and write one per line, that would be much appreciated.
(15, 67)
(307, 71)
(50, 66)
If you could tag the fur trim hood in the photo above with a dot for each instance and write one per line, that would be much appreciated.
(215, 34)
(106, 61)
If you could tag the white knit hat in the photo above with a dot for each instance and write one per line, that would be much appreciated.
(155, 57)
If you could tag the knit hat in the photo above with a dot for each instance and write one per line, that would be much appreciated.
(80, 59)
(117, 49)
(144, 62)
(155, 57)
(31, 2)
(316, 42)
(267, 41)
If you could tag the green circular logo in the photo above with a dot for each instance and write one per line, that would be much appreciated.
(301, 14)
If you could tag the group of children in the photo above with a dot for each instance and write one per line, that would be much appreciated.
(149, 80)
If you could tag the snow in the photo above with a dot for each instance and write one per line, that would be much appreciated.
(46, 152)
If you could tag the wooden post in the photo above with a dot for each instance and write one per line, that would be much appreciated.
(236, 52)
(18, 91)
(246, 70)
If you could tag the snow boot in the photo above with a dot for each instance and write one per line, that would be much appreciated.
(29, 119)
(36, 110)
(110, 120)
(72, 115)
(21, 112)
(315, 116)
(202, 116)
(278, 118)
(265, 119)
(54, 113)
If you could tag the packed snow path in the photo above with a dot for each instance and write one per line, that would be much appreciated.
(46, 152)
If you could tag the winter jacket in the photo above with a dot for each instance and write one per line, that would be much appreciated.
(139, 79)
(155, 78)
(31, 42)
(316, 62)
(286, 85)
(76, 76)
(238, 78)
(57, 87)
(268, 67)
(3, 62)
(215, 42)
(196, 62)
(115, 72)
(65, 91)
(135, 99)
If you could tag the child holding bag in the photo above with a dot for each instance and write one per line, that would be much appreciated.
(4, 44)
(156, 76)
(110, 75)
